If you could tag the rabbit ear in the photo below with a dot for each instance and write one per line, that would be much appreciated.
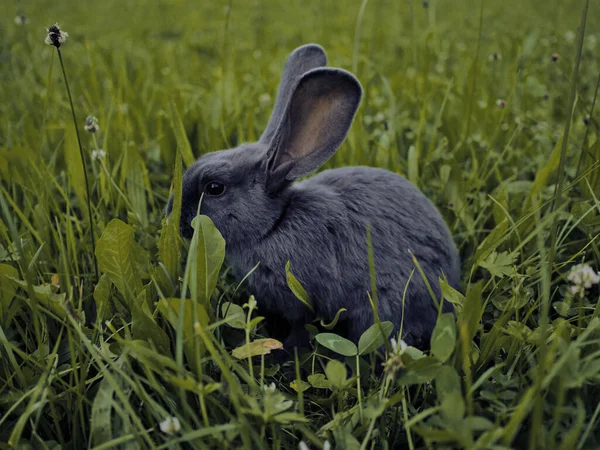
(301, 60)
(314, 125)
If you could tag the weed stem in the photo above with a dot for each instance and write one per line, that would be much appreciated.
(87, 184)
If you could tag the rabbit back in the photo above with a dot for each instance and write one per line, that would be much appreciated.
(323, 235)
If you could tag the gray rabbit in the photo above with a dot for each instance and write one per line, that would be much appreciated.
(265, 215)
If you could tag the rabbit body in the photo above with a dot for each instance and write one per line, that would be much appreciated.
(323, 235)
(320, 224)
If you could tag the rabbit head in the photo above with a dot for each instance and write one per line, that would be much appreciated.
(243, 190)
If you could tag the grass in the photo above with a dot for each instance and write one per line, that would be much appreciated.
(488, 107)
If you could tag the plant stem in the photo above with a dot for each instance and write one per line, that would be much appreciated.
(87, 184)
(558, 197)
(537, 416)
(587, 130)
(359, 20)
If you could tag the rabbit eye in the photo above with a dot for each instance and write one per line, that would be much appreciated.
(214, 188)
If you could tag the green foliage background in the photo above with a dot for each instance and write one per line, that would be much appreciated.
(467, 99)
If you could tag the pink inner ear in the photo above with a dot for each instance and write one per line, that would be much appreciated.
(312, 123)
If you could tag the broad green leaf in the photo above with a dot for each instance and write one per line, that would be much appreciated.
(257, 348)
(101, 297)
(375, 408)
(254, 322)
(337, 344)
(452, 295)
(104, 403)
(499, 264)
(336, 373)
(443, 338)
(470, 316)
(299, 385)
(297, 288)
(372, 338)
(183, 145)
(210, 254)
(318, 380)
(477, 423)
(234, 315)
(418, 371)
(346, 440)
(114, 253)
(447, 384)
(135, 169)
(46, 297)
(144, 326)
(169, 308)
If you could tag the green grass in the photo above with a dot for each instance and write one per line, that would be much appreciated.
(463, 98)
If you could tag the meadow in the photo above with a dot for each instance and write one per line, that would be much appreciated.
(141, 340)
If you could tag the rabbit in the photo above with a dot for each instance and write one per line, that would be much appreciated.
(253, 195)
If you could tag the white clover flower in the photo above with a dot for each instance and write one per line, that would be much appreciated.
(56, 36)
(583, 277)
(379, 117)
(270, 389)
(91, 124)
(98, 155)
(398, 347)
(170, 426)
(583, 274)
(302, 446)
(326, 445)
(393, 362)
(574, 290)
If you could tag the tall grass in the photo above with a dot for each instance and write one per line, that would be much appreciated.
(166, 350)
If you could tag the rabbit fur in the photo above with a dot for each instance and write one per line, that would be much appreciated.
(320, 224)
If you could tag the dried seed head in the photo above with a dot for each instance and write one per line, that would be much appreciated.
(425, 4)
(98, 155)
(495, 56)
(56, 36)
(91, 124)
(501, 103)
(586, 120)
(555, 56)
